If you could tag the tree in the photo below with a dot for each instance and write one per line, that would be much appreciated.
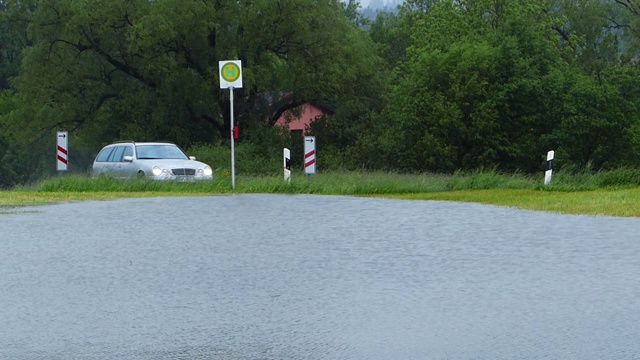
(14, 18)
(391, 33)
(13, 164)
(472, 94)
(149, 70)
(598, 31)
(627, 19)
(598, 122)
(148, 61)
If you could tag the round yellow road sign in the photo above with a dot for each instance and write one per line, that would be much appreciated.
(230, 72)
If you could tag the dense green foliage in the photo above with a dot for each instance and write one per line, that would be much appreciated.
(436, 86)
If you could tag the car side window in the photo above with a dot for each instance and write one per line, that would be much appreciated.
(116, 155)
(128, 151)
(104, 154)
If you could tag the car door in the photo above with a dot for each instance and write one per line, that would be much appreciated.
(115, 160)
(102, 165)
(125, 167)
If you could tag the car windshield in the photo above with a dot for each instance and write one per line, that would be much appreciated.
(160, 152)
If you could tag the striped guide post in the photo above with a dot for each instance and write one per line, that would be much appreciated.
(310, 155)
(286, 154)
(548, 173)
(62, 151)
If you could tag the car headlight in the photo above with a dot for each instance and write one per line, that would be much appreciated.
(207, 171)
(157, 171)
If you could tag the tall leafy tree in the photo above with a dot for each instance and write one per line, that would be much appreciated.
(14, 19)
(598, 31)
(598, 122)
(141, 69)
(471, 94)
(627, 19)
(13, 164)
(391, 32)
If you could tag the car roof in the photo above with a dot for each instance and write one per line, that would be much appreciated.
(141, 143)
(154, 143)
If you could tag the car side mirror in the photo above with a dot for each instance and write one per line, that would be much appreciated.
(192, 157)
(127, 158)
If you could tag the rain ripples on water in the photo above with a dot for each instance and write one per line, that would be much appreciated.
(315, 277)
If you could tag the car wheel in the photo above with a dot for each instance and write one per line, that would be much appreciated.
(141, 174)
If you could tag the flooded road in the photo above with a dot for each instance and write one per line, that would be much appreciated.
(315, 277)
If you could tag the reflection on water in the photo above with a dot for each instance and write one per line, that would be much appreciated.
(315, 277)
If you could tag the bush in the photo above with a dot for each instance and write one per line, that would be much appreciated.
(623, 177)
(250, 159)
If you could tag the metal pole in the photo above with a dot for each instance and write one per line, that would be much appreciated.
(233, 161)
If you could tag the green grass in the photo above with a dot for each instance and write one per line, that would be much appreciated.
(614, 193)
(610, 202)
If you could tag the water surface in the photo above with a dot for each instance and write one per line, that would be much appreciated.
(315, 277)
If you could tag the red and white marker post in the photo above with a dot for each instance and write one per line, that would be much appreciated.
(310, 155)
(62, 152)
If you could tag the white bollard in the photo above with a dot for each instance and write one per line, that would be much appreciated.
(287, 164)
(548, 173)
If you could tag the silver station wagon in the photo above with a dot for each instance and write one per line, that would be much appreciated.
(153, 160)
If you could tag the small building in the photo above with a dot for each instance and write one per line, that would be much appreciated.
(299, 120)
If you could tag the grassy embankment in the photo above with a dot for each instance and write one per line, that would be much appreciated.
(614, 193)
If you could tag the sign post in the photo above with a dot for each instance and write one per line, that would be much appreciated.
(62, 152)
(310, 155)
(230, 78)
